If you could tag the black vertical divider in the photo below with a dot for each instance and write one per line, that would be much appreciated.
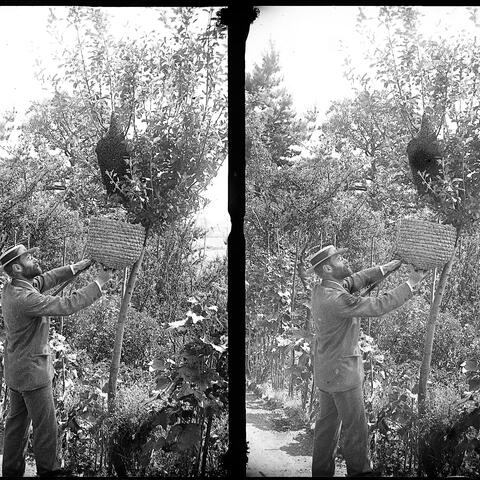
(238, 19)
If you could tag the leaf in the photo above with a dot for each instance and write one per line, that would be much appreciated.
(156, 364)
(188, 373)
(302, 361)
(183, 437)
(282, 342)
(219, 348)
(470, 365)
(161, 418)
(175, 325)
(160, 443)
(474, 383)
(380, 358)
(366, 348)
(195, 318)
(185, 390)
(161, 382)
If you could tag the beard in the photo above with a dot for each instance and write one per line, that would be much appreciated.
(342, 272)
(31, 271)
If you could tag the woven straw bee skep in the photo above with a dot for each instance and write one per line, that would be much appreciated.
(114, 243)
(426, 245)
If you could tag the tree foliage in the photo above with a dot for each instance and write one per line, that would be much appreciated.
(168, 89)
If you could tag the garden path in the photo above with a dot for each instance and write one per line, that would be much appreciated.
(275, 451)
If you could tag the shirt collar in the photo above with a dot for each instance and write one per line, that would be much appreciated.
(16, 282)
(332, 284)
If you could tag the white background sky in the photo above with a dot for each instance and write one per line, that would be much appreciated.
(24, 39)
(309, 41)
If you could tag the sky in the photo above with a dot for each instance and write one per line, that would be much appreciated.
(313, 41)
(24, 39)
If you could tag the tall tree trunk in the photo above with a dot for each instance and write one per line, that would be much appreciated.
(122, 316)
(428, 346)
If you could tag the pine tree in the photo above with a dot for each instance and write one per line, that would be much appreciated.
(270, 105)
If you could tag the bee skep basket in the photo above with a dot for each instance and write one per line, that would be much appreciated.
(425, 245)
(114, 243)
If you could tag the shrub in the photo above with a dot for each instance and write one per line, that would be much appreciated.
(402, 334)
(93, 330)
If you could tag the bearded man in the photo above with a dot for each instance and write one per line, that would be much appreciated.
(28, 364)
(337, 360)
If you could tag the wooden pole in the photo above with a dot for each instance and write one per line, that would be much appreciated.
(2, 370)
(125, 279)
(437, 296)
(432, 289)
(122, 316)
(292, 302)
(64, 256)
(371, 265)
(430, 332)
(310, 405)
(369, 318)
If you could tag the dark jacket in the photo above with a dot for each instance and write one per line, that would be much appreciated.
(336, 312)
(26, 311)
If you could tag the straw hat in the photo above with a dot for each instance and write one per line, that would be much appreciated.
(13, 253)
(323, 254)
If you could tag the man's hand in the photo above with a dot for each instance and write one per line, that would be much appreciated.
(103, 276)
(391, 266)
(416, 276)
(81, 265)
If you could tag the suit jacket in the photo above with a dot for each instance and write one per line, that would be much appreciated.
(338, 364)
(26, 312)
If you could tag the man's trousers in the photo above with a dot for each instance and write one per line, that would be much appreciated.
(346, 411)
(34, 407)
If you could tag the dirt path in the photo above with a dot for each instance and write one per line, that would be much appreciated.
(275, 451)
